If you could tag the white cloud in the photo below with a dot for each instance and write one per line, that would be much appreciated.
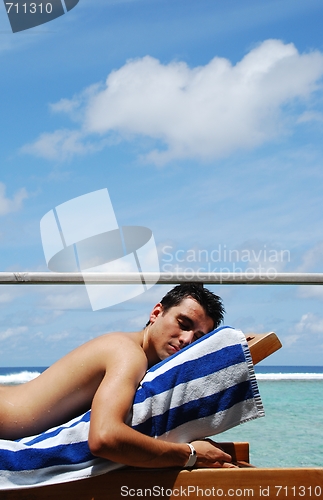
(74, 107)
(17, 294)
(12, 332)
(312, 259)
(62, 145)
(310, 116)
(310, 292)
(203, 112)
(6, 297)
(71, 297)
(8, 205)
(57, 337)
(290, 340)
(310, 323)
(250, 325)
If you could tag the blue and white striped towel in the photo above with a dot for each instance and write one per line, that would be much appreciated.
(203, 390)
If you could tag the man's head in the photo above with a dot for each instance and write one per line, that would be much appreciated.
(185, 314)
(211, 303)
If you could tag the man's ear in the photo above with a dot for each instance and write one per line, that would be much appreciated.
(157, 311)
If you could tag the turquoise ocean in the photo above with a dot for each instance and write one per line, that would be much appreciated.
(291, 433)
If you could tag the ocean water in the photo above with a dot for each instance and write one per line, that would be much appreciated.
(291, 433)
(19, 374)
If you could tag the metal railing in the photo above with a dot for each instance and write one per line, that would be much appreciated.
(47, 278)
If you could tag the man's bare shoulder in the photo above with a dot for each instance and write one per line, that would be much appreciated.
(104, 352)
(89, 362)
(115, 341)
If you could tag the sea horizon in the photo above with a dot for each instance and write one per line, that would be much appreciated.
(11, 375)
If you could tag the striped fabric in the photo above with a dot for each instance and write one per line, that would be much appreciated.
(203, 390)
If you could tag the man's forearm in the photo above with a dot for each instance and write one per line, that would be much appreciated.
(129, 447)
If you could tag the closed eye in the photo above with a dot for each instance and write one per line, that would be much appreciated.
(183, 326)
(198, 335)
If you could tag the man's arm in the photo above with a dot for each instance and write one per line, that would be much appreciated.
(111, 438)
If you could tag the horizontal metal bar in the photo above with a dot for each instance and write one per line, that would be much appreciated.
(31, 278)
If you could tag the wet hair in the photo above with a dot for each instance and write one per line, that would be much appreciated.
(211, 303)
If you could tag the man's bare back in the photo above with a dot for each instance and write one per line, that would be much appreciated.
(103, 375)
(66, 389)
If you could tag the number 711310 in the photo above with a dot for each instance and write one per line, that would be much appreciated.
(32, 8)
(299, 491)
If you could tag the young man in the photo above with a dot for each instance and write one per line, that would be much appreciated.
(104, 374)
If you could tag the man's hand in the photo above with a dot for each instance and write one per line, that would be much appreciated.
(209, 454)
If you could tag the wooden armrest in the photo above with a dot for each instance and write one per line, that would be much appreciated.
(176, 484)
(262, 345)
(238, 451)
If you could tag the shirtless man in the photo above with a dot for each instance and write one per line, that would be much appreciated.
(104, 374)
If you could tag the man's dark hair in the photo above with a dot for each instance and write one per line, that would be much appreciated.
(211, 303)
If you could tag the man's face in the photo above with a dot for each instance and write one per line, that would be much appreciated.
(178, 327)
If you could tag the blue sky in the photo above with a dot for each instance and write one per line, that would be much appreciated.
(204, 121)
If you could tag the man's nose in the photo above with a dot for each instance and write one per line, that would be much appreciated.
(186, 338)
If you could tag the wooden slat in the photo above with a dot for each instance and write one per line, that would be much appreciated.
(238, 451)
(262, 345)
(283, 483)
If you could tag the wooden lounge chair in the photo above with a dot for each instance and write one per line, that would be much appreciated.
(245, 481)
(262, 345)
